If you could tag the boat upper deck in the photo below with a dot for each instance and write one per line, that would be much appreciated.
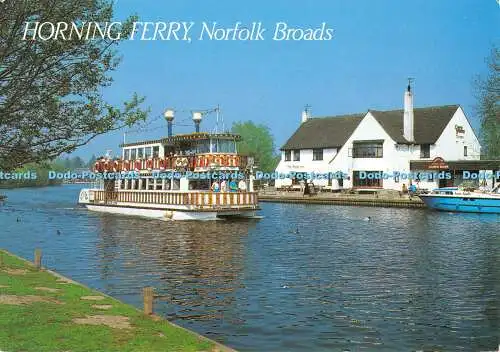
(199, 151)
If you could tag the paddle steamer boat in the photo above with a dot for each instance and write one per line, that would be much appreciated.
(172, 178)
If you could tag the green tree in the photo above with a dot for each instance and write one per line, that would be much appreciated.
(51, 91)
(488, 106)
(77, 163)
(257, 142)
(91, 161)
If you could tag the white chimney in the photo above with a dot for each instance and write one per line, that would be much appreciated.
(408, 119)
(306, 114)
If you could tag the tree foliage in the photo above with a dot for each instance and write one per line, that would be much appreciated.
(488, 106)
(51, 91)
(257, 142)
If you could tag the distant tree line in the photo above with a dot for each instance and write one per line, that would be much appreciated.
(42, 169)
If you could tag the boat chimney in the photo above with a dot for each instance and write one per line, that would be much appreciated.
(197, 119)
(408, 118)
(169, 116)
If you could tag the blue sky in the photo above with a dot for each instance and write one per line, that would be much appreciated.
(377, 45)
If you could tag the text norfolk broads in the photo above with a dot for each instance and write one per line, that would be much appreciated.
(196, 176)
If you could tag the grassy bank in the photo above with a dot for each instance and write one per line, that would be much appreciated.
(40, 311)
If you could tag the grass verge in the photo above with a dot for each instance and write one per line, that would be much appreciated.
(40, 312)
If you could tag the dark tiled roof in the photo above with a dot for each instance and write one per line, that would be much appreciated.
(429, 123)
(329, 132)
(326, 132)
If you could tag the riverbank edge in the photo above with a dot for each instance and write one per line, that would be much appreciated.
(219, 347)
(352, 201)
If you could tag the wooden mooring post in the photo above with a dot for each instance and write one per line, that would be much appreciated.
(148, 300)
(38, 258)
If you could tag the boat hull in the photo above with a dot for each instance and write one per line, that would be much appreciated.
(467, 204)
(170, 214)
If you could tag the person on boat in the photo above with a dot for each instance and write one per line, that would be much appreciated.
(242, 186)
(215, 186)
(233, 186)
(223, 186)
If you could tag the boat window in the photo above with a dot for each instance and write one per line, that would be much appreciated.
(148, 152)
(133, 154)
(199, 185)
(176, 185)
(156, 152)
(226, 146)
(126, 154)
(213, 146)
(203, 147)
(140, 153)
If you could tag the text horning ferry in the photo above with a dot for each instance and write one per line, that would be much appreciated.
(183, 197)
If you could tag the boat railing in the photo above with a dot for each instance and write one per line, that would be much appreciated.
(197, 199)
(176, 162)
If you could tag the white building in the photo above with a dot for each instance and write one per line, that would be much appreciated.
(421, 145)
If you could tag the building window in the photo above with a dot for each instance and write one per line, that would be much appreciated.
(367, 182)
(288, 155)
(140, 153)
(156, 152)
(148, 152)
(425, 151)
(133, 154)
(296, 155)
(317, 154)
(368, 150)
(126, 154)
(465, 150)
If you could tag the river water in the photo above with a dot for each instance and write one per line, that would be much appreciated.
(303, 278)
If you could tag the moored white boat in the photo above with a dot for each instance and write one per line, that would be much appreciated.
(456, 200)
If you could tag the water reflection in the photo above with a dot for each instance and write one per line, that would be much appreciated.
(195, 267)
